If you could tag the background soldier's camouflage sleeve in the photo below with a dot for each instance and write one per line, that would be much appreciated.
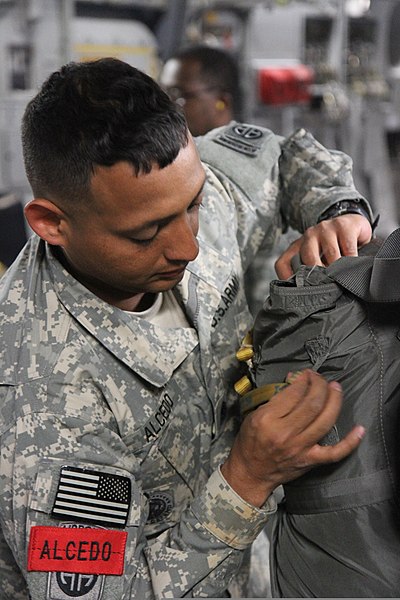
(251, 180)
(280, 181)
(294, 178)
(313, 179)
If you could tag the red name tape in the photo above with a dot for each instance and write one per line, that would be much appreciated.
(77, 550)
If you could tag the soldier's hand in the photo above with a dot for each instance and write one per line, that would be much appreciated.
(326, 242)
(278, 441)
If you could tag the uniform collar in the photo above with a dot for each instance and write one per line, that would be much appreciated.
(152, 352)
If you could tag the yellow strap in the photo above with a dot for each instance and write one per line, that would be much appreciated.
(259, 396)
(262, 395)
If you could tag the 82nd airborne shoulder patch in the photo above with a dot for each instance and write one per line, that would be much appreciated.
(242, 138)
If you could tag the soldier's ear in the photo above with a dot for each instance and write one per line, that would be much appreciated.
(224, 101)
(47, 220)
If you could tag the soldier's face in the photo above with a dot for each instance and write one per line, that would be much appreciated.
(139, 232)
(183, 81)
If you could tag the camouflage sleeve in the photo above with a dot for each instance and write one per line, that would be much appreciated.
(313, 179)
(242, 165)
(75, 515)
(208, 543)
(274, 181)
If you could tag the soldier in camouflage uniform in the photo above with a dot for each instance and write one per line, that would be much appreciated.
(123, 474)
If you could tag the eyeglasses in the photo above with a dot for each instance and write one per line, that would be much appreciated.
(180, 97)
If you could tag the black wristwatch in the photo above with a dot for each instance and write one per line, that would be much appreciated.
(345, 207)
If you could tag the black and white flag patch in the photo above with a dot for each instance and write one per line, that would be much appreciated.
(93, 497)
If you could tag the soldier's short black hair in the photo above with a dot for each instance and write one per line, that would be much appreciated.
(218, 68)
(97, 113)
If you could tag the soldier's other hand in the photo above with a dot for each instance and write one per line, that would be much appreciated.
(324, 243)
(278, 441)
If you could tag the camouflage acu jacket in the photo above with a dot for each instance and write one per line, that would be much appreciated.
(112, 429)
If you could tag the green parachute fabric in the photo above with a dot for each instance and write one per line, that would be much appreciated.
(337, 530)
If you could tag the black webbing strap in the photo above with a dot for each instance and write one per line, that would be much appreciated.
(371, 278)
(337, 495)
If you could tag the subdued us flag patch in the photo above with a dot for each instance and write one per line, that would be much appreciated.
(92, 496)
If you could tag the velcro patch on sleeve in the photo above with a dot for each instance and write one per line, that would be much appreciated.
(75, 550)
(245, 139)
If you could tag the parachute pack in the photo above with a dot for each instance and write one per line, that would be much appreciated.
(337, 531)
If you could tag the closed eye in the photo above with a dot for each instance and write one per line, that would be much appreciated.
(194, 206)
(144, 241)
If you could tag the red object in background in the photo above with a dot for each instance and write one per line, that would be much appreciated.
(285, 85)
